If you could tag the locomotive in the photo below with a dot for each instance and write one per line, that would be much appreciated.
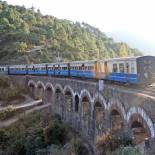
(132, 70)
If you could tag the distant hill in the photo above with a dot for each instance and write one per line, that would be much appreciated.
(26, 36)
(144, 44)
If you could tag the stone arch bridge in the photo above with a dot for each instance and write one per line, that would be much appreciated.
(95, 113)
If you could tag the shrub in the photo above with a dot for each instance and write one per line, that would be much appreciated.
(8, 112)
(55, 133)
(127, 151)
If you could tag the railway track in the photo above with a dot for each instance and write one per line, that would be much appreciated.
(144, 90)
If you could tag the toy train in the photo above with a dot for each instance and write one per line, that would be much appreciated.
(132, 70)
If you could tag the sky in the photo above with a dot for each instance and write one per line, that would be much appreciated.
(131, 21)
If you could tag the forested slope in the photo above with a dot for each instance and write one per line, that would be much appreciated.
(26, 36)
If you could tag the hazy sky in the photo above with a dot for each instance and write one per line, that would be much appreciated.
(132, 21)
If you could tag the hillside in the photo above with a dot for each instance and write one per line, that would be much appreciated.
(26, 36)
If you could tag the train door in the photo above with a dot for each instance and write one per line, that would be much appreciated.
(106, 69)
(96, 70)
(127, 70)
(83, 70)
(68, 65)
(54, 69)
(59, 69)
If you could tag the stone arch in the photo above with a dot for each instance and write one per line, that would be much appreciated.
(40, 84)
(115, 104)
(76, 102)
(85, 92)
(31, 82)
(69, 95)
(99, 107)
(137, 116)
(49, 91)
(32, 87)
(98, 115)
(40, 90)
(99, 98)
(49, 85)
(117, 115)
(59, 100)
(58, 86)
(86, 112)
(86, 103)
(68, 88)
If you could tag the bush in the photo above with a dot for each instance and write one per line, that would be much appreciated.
(9, 91)
(33, 132)
(4, 82)
(55, 133)
(127, 151)
(7, 113)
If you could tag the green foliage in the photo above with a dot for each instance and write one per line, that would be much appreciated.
(55, 133)
(8, 91)
(123, 51)
(4, 82)
(7, 113)
(32, 132)
(127, 151)
(21, 46)
(24, 29)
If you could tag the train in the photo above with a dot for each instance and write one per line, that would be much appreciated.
(131, 70)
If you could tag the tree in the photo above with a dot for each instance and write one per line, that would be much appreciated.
(21, 46)
(123, 50)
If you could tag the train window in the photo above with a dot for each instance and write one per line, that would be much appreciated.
(121, 68)
(115, 69)
(132, 68)
(127, 68)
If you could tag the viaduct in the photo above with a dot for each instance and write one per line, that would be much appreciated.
(92, 112)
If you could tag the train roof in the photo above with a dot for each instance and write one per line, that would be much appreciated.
(84, 61)
(125, 58)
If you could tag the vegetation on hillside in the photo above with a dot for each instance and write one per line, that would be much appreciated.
(127, 151)
(27, 36)
(8, 91)
(39, 133)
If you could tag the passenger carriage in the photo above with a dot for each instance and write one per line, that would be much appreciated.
(17, 69)
(87, 69)
(83, 69)
(58, 69)
(37, 69)
(134, 70)
(3, 69)
(61, 69)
